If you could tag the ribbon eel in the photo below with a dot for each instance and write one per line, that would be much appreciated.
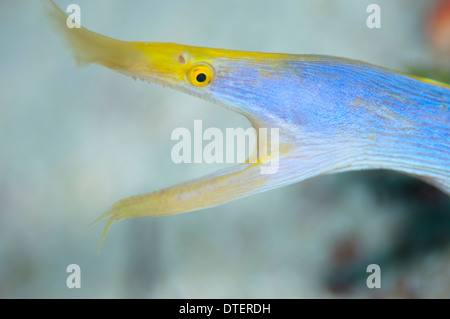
(333, 114)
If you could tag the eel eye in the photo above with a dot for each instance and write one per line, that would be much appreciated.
(201, 74)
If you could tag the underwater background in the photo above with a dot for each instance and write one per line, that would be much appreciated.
(74, 140)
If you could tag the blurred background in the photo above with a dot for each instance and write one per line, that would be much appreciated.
(74, 141)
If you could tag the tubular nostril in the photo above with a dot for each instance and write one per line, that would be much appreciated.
(182, 58)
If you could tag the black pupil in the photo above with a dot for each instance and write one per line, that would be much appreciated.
(201, 77)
